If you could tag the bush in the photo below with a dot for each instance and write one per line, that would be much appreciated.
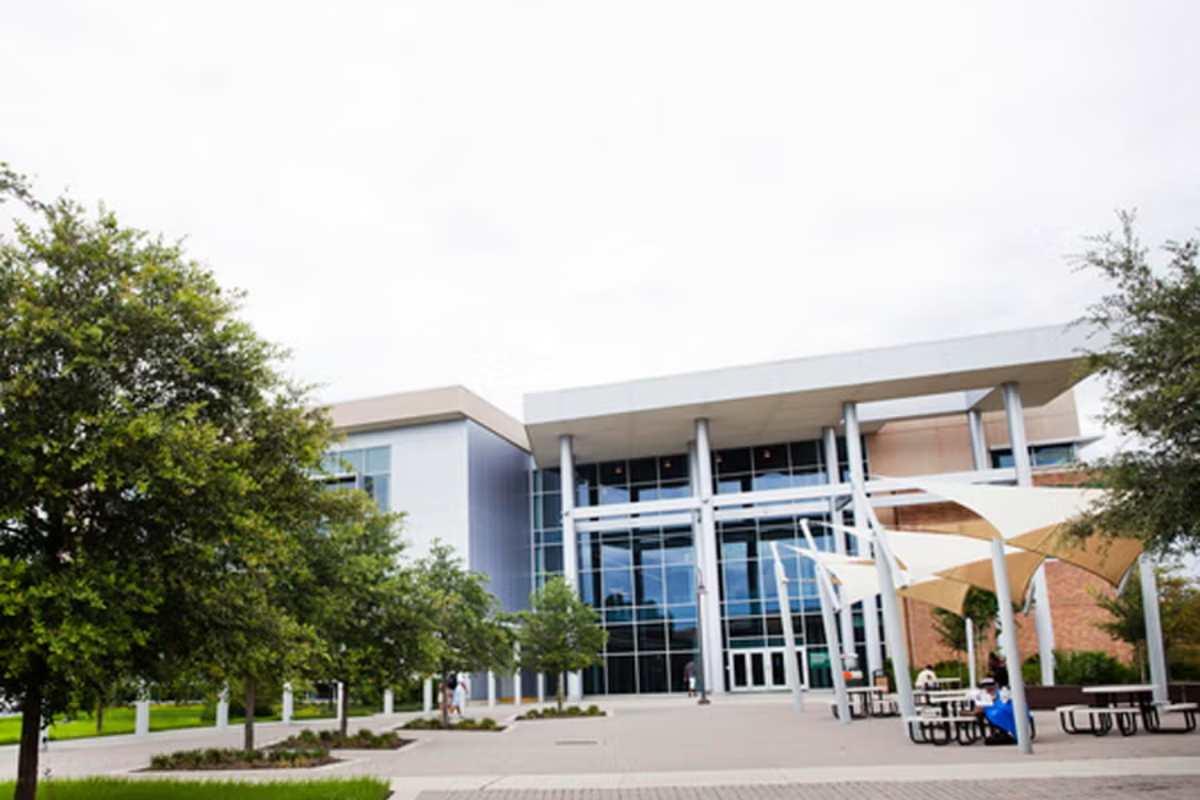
(333, 740)
(212, 758)
(1083, 667)
(594, 711)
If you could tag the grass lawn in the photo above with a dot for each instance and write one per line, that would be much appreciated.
(126, 789)
(162, 718)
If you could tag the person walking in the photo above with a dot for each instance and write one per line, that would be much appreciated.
(689, 677)
(460, 696)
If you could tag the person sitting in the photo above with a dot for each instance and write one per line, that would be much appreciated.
(927, 678)
(997, 712)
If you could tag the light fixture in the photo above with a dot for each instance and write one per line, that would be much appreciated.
(619, 469)
(767, 453)
(667, 464)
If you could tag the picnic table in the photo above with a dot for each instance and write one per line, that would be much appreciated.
(1121, 705)
(865, 701)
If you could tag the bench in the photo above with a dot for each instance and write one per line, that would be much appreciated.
(1100, 719)
(940, 731)
(1153, 717)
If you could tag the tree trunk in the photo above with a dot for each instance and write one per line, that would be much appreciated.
(562, 678)
(445, 700)
(344, 711)
(248, 739)
(31, 730)
(99, 716)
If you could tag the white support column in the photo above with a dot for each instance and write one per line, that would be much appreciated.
(516, 676)
(389, 702)
(566, 468)
(141, 726)
(845, 615)
(1042, 614)
(339, 695)
(858, 482)
(1154, 639)
(541, 688)
(427, 696)
(1009, 633)
(791, 669)
(706, 559)
(979, 450)
(289, 704)
(971, 676)
(491, 689)
(223, 709)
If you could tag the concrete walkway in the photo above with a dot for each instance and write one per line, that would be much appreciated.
(737, 744)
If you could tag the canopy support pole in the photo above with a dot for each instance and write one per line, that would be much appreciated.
(1154, 637)
(791, 669)
(970, 626)
(891, 614)
(825, 592)
(1008, 631)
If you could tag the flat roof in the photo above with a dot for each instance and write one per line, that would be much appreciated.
(426, 406)
(794, 399)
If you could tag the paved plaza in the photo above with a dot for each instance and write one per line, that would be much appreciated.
(669, 747)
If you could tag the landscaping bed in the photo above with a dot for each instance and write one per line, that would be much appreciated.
(570, 712)
(139, 789)
(333, 740)
(214, 758)
(464, 724)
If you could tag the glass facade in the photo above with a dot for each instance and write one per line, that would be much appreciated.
(642, 578)
(1042, 455)
(368, 469)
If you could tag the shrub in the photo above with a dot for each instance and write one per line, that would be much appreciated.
(593, 711)
(212, 758)
(1084, 667)
(487, 724)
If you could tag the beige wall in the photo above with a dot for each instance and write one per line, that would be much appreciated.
(943, 444)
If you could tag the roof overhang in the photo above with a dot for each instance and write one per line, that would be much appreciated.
(425, 407)
(793, 400)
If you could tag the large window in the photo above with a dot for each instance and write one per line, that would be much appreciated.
(1041, 455)
(368, 469)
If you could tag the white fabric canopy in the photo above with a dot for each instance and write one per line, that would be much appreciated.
(1016, 510)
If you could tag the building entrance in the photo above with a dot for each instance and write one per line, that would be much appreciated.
(763, 670)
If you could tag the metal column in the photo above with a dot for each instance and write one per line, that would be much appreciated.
(791, 669)
(706, 558)
(845, 615)
(858, 482)
(566, 468)
(979, 451)
(1042, 617)
(1154, 639)
(1008, 632)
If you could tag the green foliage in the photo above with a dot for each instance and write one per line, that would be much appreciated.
(154, 465)
(1179, 612)
(559, 633)
(1089, 667)
(143, 789)
(214, 758)
(1151, 362)
(464, 724)
(466, 630)
(334, 740)
(552, 712)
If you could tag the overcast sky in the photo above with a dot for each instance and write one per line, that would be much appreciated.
(521, 196)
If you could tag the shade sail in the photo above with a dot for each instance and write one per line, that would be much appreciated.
(855, 578)
(1032, 518)
(941, 592)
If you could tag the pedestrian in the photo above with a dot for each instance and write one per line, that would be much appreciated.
(448, 692)
(460, 695)
(689, 676)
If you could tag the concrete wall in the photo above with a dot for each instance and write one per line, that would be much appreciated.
(429, 481)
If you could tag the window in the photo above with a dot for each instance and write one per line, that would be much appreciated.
(1041, 455)
(368, 469)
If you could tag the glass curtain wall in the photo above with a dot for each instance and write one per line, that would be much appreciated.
(368, 469)
(642, 578)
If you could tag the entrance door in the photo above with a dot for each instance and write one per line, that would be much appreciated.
(763, 670)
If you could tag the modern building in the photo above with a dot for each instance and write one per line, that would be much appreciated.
(680, 485)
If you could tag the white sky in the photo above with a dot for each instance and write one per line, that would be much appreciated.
(520, 196)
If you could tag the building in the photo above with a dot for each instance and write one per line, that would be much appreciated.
(682, 484)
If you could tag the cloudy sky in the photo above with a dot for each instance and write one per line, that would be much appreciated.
(520, 196)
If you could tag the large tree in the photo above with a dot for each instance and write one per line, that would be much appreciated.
(467, 631)
(132, 400)
(1151, 361)
(1179, 610)
(559, 633)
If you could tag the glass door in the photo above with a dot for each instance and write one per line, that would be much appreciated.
(763, 670)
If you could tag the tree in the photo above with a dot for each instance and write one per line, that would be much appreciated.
(467, 631)
(1152, 364)
(1179, 610)
(980, 607)
(132, 412)
(366, 606)
(559, 633)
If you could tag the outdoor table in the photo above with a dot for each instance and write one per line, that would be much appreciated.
(864, 695)
(949, 701)
(1140, 695)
